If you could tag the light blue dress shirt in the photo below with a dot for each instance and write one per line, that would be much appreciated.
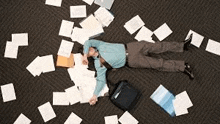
(113, 53)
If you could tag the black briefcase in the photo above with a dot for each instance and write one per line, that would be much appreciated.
(125, 96)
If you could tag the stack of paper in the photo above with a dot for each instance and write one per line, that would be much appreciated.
(89, 2)
(127, 118)
(196, 38)
(164, 99)
(41, 65)
(104, 16)
(163, 31)
(213, 47)
(78, 11)
(60, 98)
(65, 62)
(111, 119)
(22, 119)
(84, 79)
(11, 49)
(181, 103)
(73, 119)
(144, 35)
(134, 24)
(54, 2)
(46, 111)
(8, 92)
(104, 3)
(66, 28)
(65, 48)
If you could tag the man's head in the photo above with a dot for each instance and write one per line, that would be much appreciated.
(92, 52)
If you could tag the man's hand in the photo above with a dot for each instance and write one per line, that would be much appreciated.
(93, 100)
(85, 60)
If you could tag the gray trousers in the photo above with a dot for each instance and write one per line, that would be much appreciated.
(138, 55)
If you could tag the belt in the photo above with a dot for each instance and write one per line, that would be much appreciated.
(126, 53)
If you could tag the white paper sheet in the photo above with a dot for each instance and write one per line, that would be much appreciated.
(20, 39)
(78, 11)
(105, 3)
(47, 63)
(178, 109)
(35, 67)
(111, 119)
(73, 119)
(54, 2)
(213, 47)
(88, 1)
(196, 38)
(134, 24)
(60, 98)
(46, 111)
(8, 92)
(22, 119)
(184, 99)
(144, 35)
(65, 48)
(80, 35)
(127, 118)
(11, 50)
(90, 23)
(163, 31)
(104, 16)
(73, 95)
(66, 28)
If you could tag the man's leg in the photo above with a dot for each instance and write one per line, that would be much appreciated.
(161, 47)
(142, 61)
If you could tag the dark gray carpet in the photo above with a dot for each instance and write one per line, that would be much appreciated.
(42, 24)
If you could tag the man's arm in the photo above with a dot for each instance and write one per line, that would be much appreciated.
(91, 43)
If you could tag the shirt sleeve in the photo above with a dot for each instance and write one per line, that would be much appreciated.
(91, 43)
(101, 77)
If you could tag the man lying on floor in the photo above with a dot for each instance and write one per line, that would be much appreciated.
(134, 54)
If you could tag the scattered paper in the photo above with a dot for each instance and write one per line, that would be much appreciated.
(35, 67)
(144, 35)
(105, 3)
(54, 2)
(196, 38)
(213, 47)
(134, 24)
(8, 92)
(66, 28)
(90, 23)
(60, 98)
(73, 119)
(89, 2)
(22, 119)
(65, 48)
(78, 11)
(163, 31)
(127, 118)
(11, 50)
(20, 39)
(104, 16)
(111, 119)
(181, 103)
(73, 95)
(46, 111)
(47, 63)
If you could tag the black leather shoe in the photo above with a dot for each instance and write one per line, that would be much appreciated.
(187, 42)
(188, 71)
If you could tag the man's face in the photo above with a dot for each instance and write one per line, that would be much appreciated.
(91, 51)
